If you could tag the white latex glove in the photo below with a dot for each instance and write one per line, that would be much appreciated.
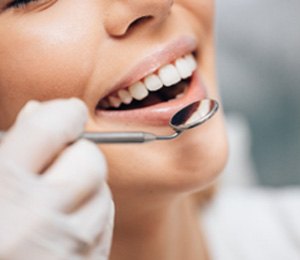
(54, 201)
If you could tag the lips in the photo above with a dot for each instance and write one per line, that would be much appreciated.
(157, 89)
(152, 87)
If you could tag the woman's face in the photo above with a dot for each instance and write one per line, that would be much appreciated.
(98, 50)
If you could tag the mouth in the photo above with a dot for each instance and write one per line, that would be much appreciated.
(167, 83)
(152, 98)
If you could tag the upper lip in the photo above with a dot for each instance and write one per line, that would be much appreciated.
(161, 55)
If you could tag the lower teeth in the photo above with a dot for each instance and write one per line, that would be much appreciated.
(179, 96)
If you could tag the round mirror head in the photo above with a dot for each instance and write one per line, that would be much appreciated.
(194, 114)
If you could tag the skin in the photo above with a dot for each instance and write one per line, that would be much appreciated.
(60, 49)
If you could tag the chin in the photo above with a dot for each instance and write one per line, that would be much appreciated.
(187, 164)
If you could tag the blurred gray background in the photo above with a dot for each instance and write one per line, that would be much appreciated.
(258, 52)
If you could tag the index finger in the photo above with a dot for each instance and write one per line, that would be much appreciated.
(36, 138)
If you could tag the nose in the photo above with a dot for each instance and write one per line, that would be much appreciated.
(122, 15)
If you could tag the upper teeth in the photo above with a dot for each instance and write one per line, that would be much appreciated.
(167, 76)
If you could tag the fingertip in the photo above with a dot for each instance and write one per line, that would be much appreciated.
(31, 105)
(28, 109)
(42, 129)
(80, 105)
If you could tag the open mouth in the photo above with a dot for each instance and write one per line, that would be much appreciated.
(167, 83)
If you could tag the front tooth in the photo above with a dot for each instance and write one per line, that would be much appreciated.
(183, 67)
(114, 101)
(153, 82)
(191, 61)
(138, 91)
(125, 96)
(169, 75)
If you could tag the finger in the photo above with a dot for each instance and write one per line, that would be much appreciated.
(76, 175)
(28, 109)
(102, 245)
(94, 220)
(39, 135)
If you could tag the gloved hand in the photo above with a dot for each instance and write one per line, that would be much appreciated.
(54, 201)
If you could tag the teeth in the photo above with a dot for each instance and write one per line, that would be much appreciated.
(169, 75)
(125, 96)
(183, 67)
(104, 103)
(138, 91)
(179, 95)
(191, 61)
(153, 82)
(114, 101)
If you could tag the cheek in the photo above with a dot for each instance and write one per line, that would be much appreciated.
(42, 63)
(202, 9)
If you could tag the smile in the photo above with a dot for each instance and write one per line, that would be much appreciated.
(167, 83)
(156, 88)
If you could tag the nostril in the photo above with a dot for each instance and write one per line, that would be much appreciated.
(120, 17)
(139, 21)
(122, 29)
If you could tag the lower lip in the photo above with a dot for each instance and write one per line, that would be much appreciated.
(159, 114)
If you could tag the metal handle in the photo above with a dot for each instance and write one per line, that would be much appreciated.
(119, 137)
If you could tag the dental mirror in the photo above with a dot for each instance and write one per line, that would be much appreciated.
(188, 117)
